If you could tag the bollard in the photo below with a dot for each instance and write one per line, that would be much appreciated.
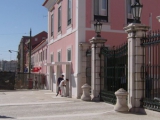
(121, 104)
(86, 92)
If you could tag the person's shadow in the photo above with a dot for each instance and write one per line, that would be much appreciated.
(6, 117)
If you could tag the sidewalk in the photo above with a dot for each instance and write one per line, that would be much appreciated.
(44, 105)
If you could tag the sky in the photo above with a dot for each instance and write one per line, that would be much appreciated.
(16, 19)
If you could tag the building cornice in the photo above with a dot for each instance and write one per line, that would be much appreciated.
(49, 4)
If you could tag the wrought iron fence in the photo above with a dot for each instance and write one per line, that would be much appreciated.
(88, 67)
(30, 81)
(150, 43)
(114, 71)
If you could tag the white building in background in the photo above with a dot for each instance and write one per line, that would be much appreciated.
(9, 65)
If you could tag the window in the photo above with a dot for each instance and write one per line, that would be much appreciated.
(101, 10)
(36, 39)
(59, 19)
(69, 11)
(39, 57)
(46, 54)
(69, 55)
(43, 38)
(52, 25)
(129, 12)
(59, 56)
(51, 57)
(104, 4)
(43, 56)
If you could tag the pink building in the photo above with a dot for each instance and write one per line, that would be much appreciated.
(38, 61)
(71, 22)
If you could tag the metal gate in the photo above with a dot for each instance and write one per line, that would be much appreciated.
(151, 70)
(88, 66)
(114, 72)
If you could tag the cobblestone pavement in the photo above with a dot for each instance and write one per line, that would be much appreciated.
(44, 105)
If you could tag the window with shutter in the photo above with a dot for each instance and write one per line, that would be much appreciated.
(51, 57)
(101, 10)
(69, 11)
(129, 12)
(59, 56)
(52, 24)
(59, 18)
(69, 55)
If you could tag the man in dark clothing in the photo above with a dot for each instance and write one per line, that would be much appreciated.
(58, 82)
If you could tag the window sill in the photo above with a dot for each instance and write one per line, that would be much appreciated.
(104, 23)
(69, 26)
(58, 1)
(60, 32)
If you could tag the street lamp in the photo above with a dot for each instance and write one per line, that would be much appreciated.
(12, 51)
(136, 10)
(98, 28)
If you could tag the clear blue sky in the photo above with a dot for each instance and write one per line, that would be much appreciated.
(16, 19)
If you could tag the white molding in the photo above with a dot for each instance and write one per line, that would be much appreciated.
(62, 36)
(57, 63)
(113, 31)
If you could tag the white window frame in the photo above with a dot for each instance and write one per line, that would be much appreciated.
(59, 59)
(100, 11)
(129, 15)
(59, 21)
(69, 19)
(46, 54)
(70, 54)
(51, 57)
(52, 25)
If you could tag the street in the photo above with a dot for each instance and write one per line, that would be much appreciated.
(44, 105)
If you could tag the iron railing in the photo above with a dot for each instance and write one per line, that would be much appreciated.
(114, 71)
(22, 81)
(150, 43)
(88, 67)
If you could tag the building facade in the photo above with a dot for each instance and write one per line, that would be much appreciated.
(24, 48)
(71, 26)
(9, 65)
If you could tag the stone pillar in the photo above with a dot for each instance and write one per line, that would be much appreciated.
(135, 60)
(97, 43)
(83, 47)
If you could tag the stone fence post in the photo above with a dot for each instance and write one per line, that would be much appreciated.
(135, 61)
(96, 44)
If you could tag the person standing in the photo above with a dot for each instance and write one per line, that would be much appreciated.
(36, 83)
(58, 83)
(62, 86)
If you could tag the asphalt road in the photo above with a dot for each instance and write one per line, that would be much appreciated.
(44, 105)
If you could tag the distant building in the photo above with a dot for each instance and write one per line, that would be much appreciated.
(24, 47)
(9, 65)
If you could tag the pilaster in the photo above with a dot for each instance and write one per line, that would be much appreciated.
(135, 62)
(97, 43)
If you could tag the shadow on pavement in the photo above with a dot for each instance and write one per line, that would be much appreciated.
(6, 117)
